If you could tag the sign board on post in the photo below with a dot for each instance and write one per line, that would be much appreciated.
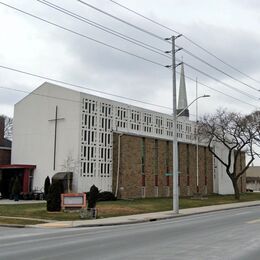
(73, 200)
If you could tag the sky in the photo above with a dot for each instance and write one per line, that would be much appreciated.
(226, 28)
(229, 29)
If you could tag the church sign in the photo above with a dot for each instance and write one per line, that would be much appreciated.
(73, 200)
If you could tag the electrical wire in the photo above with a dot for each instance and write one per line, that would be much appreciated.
(79, 86)
(104, 28)
(221, 82)
(214, 67)
(67, 12)
(114, 95)
(82, 35)
(187, 38)
(24, 12)
(123, 21)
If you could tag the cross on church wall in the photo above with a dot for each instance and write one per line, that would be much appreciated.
(55, 120)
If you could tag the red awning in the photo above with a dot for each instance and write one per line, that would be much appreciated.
(17, 166)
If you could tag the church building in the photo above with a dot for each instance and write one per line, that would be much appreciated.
(116, 146)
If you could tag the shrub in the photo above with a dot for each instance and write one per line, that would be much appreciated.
(54, 197)
(47, 184)
(93, 197)
(106, 196)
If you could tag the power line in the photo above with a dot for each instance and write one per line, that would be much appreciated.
(104, 28)
(123, 21)
(187, 38)
(64, 28)
(154, 35)
(79, 86)
(216, 57)
(114, 95)
(147, 18)
(82, 35)
(65, 11)
(223, 83)
(237, 99)
(41, 95)
(214, 67)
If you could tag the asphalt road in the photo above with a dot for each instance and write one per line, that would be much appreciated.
(232, 234)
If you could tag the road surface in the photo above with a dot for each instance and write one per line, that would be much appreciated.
(231, 234)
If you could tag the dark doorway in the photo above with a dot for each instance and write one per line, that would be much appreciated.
(9, 172)
(7, 181)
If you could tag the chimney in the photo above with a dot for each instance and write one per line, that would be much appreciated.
(2, 129)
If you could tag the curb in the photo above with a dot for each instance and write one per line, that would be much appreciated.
(156, 219)
(13, 225)
(127, 222)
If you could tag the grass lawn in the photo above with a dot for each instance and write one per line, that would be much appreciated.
(18, 221)
(115, 208)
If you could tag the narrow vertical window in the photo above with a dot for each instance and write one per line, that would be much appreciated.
(143, 180)
(156, 157)
(143, 155)
(156, 180)
(167, 157)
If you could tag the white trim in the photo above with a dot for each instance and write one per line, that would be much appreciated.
(5, 148)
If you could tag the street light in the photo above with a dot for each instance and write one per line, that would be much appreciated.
(197, 140)
(203, 96)
(179, 114)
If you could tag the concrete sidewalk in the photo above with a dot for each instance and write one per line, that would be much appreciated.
(145, 217)
(12, 202)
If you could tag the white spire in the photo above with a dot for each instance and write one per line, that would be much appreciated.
(182, 91)
(182, 103)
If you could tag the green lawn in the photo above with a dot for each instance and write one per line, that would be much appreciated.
(115, 208)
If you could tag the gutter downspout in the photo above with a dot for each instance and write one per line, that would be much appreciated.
(118, 163)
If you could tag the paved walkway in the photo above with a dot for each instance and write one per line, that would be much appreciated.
(12, 202)
(131, 219)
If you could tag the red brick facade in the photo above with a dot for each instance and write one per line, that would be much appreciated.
(145, 162)
(5, 156)
(148, 177)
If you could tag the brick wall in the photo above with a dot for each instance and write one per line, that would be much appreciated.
(131, 178)
(5, 156)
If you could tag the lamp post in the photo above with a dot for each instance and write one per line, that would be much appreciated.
(179, 114)
(203, 96)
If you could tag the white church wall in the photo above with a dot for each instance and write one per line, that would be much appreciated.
(222, 183)
(33, 139)
(85, 135)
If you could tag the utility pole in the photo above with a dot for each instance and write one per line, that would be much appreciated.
(175, 176)
(197, 141)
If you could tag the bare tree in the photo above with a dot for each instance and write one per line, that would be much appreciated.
(69, 165)
(238, 134)
(8, 130)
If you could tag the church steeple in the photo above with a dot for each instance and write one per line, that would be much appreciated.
(182, 102)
